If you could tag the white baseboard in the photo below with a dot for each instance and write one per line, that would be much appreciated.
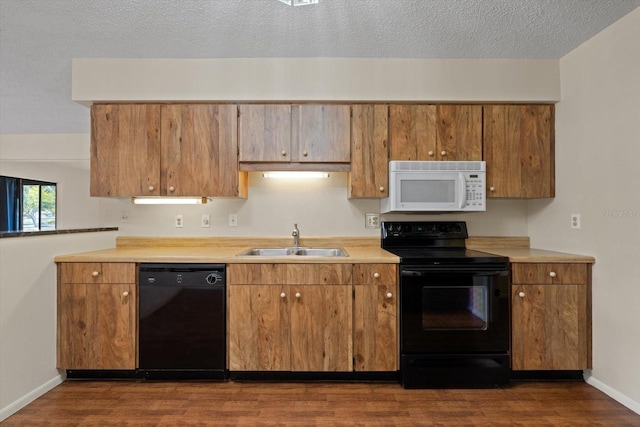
(613, 393)
(14, 407)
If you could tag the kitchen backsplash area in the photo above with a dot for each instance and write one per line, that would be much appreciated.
(320, 207)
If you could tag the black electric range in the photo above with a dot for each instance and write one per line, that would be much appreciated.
(454, 307)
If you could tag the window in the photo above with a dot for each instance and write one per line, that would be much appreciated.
(27, 204)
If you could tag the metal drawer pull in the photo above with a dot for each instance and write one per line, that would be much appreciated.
(125, 294)
(95, 273)
(283, 295)
(376, 275)
(521, 294)
(552, 274)
(389, 295)
(297, 294)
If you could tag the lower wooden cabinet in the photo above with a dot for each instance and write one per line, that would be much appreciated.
(289, 317)
(312, 317)
(375, 329)
(97, 316)
(551, 316)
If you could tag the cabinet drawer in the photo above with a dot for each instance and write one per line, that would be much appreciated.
(96, 272)
(549, 273)
(282, 274)
(375, 274)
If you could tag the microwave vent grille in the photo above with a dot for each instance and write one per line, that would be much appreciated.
(437, 166)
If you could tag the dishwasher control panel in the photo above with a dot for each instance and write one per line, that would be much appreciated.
(185, 275)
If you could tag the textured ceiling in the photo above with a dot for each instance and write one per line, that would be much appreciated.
(38, 38)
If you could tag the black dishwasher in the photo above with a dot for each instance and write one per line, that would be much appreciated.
(182, 321)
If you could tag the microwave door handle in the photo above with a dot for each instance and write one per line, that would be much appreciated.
(463, 191)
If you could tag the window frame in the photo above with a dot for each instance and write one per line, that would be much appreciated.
(19, 197)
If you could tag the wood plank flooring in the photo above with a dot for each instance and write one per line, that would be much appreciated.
(134, 403)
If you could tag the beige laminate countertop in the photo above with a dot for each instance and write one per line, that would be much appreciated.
(224, 255)
(360, 250)
(539, 255)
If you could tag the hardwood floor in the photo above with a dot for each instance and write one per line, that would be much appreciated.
(133, 403)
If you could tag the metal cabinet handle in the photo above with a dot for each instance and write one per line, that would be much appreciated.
(376, 275)
(95, 273)
(521, 294)
(151, 188)
(298, 295)
(492, 188)
(125, 294)
(283, 295)
(443, 153)
(283, 152)
(304, 153)
(389, 295)
(172, 188)
(381, 188)
(431, 153)
(552, 274)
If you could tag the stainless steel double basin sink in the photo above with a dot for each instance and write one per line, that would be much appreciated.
(301, 251)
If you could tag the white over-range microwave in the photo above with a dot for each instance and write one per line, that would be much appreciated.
(435, 186)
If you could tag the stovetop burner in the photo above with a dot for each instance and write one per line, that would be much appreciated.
(433, 242)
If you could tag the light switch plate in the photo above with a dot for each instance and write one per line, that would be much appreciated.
(206, 221)
(233, 220)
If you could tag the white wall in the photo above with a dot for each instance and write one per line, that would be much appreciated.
(598, 176)
(320, 208)
(28, 313)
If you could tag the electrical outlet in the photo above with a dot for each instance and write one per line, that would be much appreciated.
(206, 221)
(372, 220)
(179, 221)
(124, 216)
(575, 221)
(233, 220)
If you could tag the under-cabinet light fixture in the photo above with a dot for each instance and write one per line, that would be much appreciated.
(169, 200)
(299, 2)
(295, 174)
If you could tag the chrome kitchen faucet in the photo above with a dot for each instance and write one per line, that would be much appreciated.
(296, 236)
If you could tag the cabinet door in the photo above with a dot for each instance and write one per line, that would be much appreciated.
(518, 146)
(199, 150)
(369, 175)
(97, 326)
(550, 329)
(323, 133)
(375, 329)
(459, 132)
(412, 132)
(265, 133)
(258, 328)
(125, 150)
(321, 325)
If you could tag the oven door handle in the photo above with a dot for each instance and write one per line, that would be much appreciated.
(461, 270)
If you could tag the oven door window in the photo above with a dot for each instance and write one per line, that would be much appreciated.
(454, 308)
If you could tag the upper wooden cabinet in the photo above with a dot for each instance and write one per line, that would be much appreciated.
(435, 132)
(165, 150)
(519, 150)
(369, 176)
(294, 136)
(125, 150)
(264, 133)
